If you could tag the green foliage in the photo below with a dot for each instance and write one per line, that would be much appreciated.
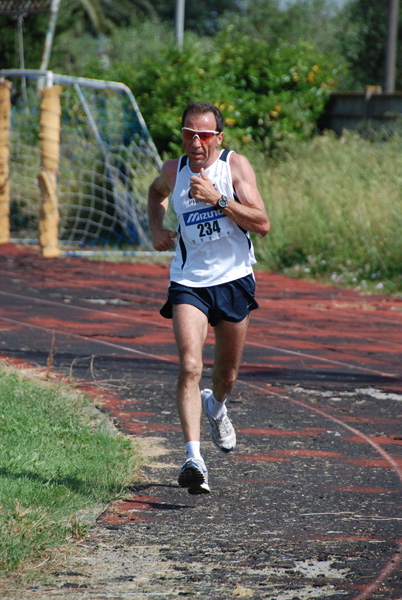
(34, 32)
(355, 32)
(318, 21)
(270, 95)
(201, 16)
(54, 463)
(279, 91)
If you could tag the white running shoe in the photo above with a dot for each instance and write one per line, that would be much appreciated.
(194, 476)
(222, 431)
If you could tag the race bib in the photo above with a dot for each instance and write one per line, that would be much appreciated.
(205, 225)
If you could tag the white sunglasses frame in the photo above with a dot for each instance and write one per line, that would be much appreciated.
(200, 131)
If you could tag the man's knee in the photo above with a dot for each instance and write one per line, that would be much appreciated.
(190, 368)
(226, 377)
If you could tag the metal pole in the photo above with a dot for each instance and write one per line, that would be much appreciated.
(392, 40)
(21, 41)
(54, 9)
(180, 7)
(22, 62)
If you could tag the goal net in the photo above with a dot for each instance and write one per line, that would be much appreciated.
(107, 162)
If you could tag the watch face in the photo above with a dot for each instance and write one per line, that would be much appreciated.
(223, 202)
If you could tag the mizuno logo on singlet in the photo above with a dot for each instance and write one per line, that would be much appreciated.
(200, 216)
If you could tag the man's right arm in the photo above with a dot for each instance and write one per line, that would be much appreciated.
(158, 202)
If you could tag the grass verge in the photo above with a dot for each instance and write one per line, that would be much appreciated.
(59, 467)
(335, 210)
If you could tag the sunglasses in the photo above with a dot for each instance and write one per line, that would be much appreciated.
(203, 136)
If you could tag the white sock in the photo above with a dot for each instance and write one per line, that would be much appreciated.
(216, 409)
(193, 450)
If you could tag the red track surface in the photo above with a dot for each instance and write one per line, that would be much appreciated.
(321, 373)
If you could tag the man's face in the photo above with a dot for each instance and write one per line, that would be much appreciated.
(201, 153)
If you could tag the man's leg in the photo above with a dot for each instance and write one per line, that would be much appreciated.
(190, 328)
(229, 338)
(229, 343)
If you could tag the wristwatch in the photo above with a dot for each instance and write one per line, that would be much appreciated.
(222, 202)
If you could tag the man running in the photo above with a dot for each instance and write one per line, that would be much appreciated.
(217, 202)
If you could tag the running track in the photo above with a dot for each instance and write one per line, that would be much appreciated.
(318, 411)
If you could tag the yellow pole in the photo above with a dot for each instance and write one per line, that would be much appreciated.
(47, 178)
(5, 111)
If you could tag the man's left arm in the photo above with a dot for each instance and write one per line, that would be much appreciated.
(250, 212)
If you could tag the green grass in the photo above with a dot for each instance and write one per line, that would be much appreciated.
(56, 465)
(336, 211)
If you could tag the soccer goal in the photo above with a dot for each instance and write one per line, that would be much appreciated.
(107, 160)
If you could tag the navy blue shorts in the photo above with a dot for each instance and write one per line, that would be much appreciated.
(230, 301)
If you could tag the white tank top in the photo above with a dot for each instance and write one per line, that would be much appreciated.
(211, 248)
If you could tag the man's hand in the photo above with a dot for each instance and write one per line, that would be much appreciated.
(202, 189)
(163, 239)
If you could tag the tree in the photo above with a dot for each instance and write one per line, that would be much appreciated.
(201, 16)
(77, 19)
(315, 21)
(363, 43)
(104, 15)
(34, 32)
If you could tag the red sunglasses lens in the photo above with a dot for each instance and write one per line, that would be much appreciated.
(205, 136)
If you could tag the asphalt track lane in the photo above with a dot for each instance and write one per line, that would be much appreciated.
(317, 475)
(46, 306)
(287, 335)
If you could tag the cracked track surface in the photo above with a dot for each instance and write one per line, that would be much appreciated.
(309, 504)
